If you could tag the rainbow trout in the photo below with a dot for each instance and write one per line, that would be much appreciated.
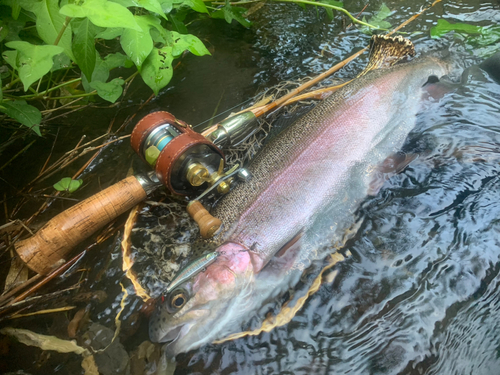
(325, 159)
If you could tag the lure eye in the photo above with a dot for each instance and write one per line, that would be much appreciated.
(178, 300)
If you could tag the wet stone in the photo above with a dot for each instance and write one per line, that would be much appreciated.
(114, 360)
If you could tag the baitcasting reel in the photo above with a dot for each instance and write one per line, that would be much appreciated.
(185, 161)
(182, 159)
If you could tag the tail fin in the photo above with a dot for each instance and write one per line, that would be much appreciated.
(386, 51)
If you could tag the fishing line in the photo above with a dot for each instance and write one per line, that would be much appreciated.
(240, 104)
(222, 113)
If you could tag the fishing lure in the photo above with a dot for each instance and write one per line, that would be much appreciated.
(192, 270)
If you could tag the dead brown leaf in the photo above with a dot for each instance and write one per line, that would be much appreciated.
(18, 274)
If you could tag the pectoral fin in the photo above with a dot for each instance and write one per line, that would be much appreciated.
(285, 257)
(392, 165)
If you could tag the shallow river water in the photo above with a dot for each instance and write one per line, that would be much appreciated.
(420, 292)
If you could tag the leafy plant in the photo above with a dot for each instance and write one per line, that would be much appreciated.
(65, 37)
(443, 27)
(474, 36)
(378, 19)
(49, 46)
(68, 184)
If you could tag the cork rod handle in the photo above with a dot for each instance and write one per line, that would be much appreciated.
(55, 240)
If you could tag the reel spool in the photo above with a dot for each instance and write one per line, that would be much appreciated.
(183, 159)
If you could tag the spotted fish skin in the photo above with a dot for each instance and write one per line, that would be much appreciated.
(324, 159)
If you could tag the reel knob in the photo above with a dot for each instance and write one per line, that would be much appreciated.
(208, 224)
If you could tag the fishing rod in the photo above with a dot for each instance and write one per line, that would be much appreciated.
(186, 162)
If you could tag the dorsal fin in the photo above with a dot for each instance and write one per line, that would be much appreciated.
(386, 51)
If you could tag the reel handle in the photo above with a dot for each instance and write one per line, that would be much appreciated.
(55, 240)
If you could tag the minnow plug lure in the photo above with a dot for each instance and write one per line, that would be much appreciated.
(192, 269)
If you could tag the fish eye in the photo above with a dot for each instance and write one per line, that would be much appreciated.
(178, 299)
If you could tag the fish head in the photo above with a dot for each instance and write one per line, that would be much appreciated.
(197, 311)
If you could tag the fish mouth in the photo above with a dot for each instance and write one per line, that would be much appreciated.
(172, 335)
(173, 340)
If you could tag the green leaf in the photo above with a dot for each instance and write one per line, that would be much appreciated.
(489, 35)
(49, 22)
(125, 3)
(188, 42)
(13, 28)
(383, 13)
(1, 93)
(33, 62)
(481, 39)
(102, 68)
(196, 5)
(157, 37)
(110, 33)
(10, 57)
(102, 13)
(138, 44)
(83, 45)
(154, 23)
(157, 68)
(101, 73)
(230, 13)
(153, 6)
(109, 91)
(177, 24)
(68, 184)
(4, 30)
(444, 27)
(115, 60)
(24, 113)
(16, 8)
(61, 61)
(167, 5)
(378, 20)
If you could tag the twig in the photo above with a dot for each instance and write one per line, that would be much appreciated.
(55, 197)
(12, 292)
(44, 94)
(9, 306)
(125, 123)
(50, 154)
(40, 312)
(47, 278)
(25, 227)
(16, 155)
(415, 16)
(65, 113)
(359, 14)
(47, 111)
(92, 93)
